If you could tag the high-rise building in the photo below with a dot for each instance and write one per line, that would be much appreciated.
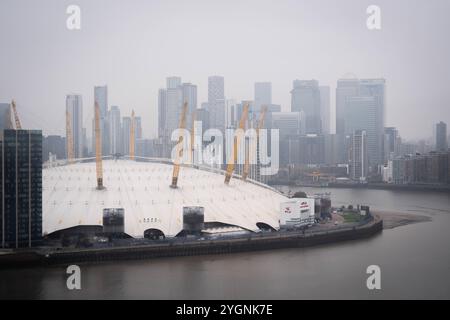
(263, 94)
(189, 96)
(162, 112)
(312, 149)
(115, 130)
(173, 82)
(325, 112)
(359, 165)
(126, 134)
(74, 106)
(216, 102)
(441, 136)
(305, 97)
(5, 117)
(56, 145)
(391, 140)
(101, 97)
(288, 123)
(137, 128)
(21, 188)
(360, 105)
(174, 108)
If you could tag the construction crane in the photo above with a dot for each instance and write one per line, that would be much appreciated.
(98, 149)
(16, 116)
(230, 165)
(260, 124)
(132, 136)
(179, 149)
(69, 137)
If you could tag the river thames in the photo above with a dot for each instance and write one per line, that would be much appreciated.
(414, 261)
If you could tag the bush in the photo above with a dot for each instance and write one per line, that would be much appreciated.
(299, 194)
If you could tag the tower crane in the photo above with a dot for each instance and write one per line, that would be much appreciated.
(230, 165)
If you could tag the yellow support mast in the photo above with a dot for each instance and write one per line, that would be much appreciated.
(260, 124)
(179, 148)
(69, 137)
(194, 118)
(132, 136)
(98, 149)
(16, 116)
(230, 165)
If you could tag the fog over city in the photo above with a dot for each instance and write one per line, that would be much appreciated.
(132, 46)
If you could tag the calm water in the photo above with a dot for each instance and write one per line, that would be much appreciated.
(414, 261)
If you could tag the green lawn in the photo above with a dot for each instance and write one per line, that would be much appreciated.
(351, 217)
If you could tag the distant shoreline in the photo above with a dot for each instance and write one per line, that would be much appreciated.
(370, 186)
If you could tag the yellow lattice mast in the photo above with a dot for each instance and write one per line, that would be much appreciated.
(179, 148)
(98, 148)
(16, 116)
(132, 136)
(260, 124)
(69, 137)
(230, 165)
(194, 118)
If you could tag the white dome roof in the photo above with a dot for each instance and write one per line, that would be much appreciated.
(70, 197)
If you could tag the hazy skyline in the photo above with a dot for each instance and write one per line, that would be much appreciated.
(133, 46)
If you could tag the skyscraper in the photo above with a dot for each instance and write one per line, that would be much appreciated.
(126, 127)
(360, 105)
(189, 96)
(56, 145)
(216, 102)
(5, 117)
(391, 140)
(174, 107)
(74, 106)
(137, 128)
(101, 97)
(263, 94)
(173, 82)
(115, 130)
(305, 97)
(441, 136)
(325, 112)
(162, 111)
(358, 156)
(21, 188)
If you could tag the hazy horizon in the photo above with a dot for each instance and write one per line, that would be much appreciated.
(133, 46)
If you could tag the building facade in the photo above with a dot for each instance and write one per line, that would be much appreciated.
(21, 188)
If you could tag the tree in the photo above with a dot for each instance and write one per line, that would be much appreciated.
(299, 194)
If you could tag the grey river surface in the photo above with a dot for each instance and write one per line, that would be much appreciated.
(414, 261)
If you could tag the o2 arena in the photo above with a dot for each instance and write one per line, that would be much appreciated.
(141, 190)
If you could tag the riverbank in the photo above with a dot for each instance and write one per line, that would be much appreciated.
(394, 219)
(267, 241)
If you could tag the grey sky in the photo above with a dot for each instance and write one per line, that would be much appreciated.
(132, 46)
